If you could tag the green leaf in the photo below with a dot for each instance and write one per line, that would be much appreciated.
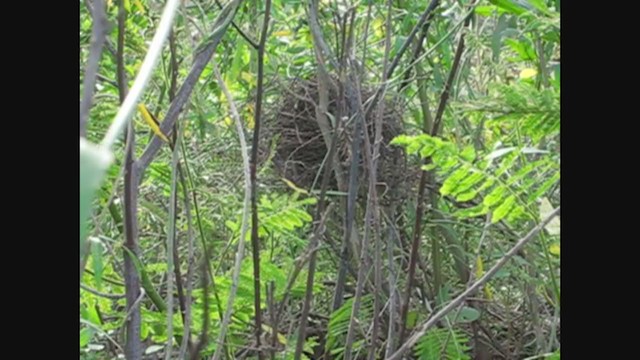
(469, 153)
(485, 10)
(94, 162)
(439, 344)
(453, 181)
(85, 336)
(472, 211)
(509, 6)
(466, 196)
(96, 259)
(554, 356)
(504, 209)
(467, 315)
(494, 196)
(516, 213)
(470, 181)
(412, 319)
(544, 187)
(90, 314)
(523, 48)
(539, 5)
(401, 140)
(487, 184)
(507, 163)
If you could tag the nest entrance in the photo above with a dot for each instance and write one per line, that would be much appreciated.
(300, 151)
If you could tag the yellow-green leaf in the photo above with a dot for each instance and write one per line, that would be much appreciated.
(247, 76)
(294, 187)
(479, 267)
(504, 209)
(139, 6)
(555, 249)
(282, 33)
(151, 122)
(528, 73)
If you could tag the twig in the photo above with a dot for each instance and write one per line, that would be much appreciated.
(313, 245)
(245, 215)
(237, 28)
(352, 187)
(98, 37)
(171, 235)
(101, 294)
(135, 303)
(98, 329)
(255, 241)
(204, 335)
(400, 53)
(186, 334)
(423, 328)
(373, 196)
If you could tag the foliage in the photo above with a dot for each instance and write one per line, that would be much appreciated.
(339, 325)
(505, 188)
(495, 165)
(440, 343)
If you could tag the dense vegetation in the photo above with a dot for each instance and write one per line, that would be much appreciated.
(303, 179)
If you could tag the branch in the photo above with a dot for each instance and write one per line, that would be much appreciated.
(245, 215)
(104, 295)
(473, 288)
(149, 63)
(403, 49)
(200, 62)
(237, 28)
(98, 37)
(255, 241)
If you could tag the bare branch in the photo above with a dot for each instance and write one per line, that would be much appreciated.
(98, 37)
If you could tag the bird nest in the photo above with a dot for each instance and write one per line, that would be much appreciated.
(300, 149)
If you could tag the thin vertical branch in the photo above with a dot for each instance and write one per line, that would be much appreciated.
(424, 176)
(373, 195)
(321, 118)
(186, 333)
(98, 37)
(255, 241)
(245, 216)
(392, 295)
(371, 213)
(352, 187)
(108, 45)
(171, 235)
(313, 247)
(133, 346)
(173, 73)
(366, 37)
(121, 74)
(202, 340)
(396, 60)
